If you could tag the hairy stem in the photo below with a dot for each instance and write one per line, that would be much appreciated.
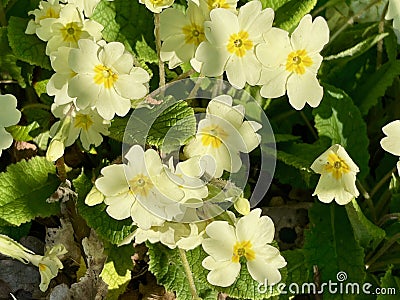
(189, 274)
(158, 47)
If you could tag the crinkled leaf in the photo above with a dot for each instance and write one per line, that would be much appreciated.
(116, 283)
(359, 48)
(391, 284)
(166, 265)
(22, 133)
(175, 125)
(28, 48)
(367, 234)
(96, 216)
(340, 120)
(367, 94)
(117, 16)
(330, 245)
(24, 188)
(290, 14)
(145, 52)
(166, 126)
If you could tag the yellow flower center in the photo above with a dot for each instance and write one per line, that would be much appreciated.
(297, 62)
(83, 121)
(42, 267)
(217, 4)
(239, 43)
(105, 75)
(213, 135)
(141, 185)
(71, 32)
(194, 34)
(157, 2)
(336, 166)
(243, 249)
(50, 13)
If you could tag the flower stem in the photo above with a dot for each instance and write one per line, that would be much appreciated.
(310, 127)
(3, 19)
(352, 19)
(382, 182)
(158, 48)
(189, 274)
(384, 248)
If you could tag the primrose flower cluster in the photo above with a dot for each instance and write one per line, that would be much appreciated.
(174, 203)
(93, 80)
(217, 39)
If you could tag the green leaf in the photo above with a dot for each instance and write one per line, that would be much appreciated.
(290, 14)
(166, 265)
(16, 232)
(367, 234)
(375, 86)
(285, 138)
(358, 49)
(297, 270)
(391, 285)
(274, 4)
(21, 133)
(117, 16)
(330, 244)
(116, 283)
(117, 128)
(300, 156)
(24, 188)
(166, 126)
(340, 120)
(28, 48)
(8, 61)
(97, 218)
(145, 52)
(121, 256)
(175, 125)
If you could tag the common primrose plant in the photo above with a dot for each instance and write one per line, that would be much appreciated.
(232, 149)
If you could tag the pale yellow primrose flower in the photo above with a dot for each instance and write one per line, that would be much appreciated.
(156, 6)
(49, 10)
(291, 64)
(86, 124)
(230, 43)
(391, 143)
(9, 115)
(105, 78)
(185, 236)
(68, 29)
(223, 134)
(338, 176)
(209, 5)
(393, 12)
(131, 190)
(248, 240)
(181, 33)
(48, 265)
(57, 86)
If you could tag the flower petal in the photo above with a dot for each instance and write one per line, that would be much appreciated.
(302, 89)
(221, 241)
